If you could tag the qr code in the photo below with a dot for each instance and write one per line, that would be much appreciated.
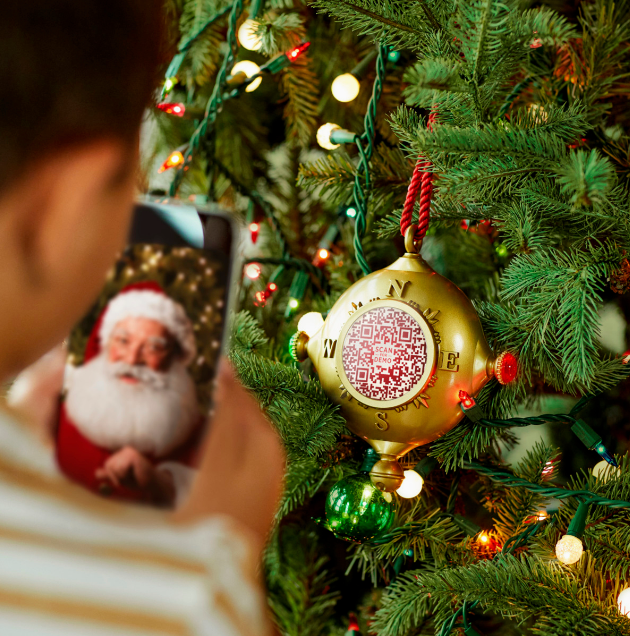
(384, 353)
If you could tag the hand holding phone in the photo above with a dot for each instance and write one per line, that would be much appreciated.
(142, 361)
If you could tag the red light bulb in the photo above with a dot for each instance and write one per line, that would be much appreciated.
(254, 228)
(323, 254)
(260, 299)
(466, 400)
(506, 368)
(272, 287)
(171, 108)
(294, 53)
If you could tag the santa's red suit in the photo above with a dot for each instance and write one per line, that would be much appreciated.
(79, 453)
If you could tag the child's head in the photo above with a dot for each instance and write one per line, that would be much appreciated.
(75, 77)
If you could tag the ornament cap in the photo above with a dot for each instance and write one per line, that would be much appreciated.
(297, 346)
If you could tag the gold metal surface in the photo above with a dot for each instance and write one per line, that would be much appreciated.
(461, 359)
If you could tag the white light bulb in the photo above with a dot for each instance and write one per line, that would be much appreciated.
(250, 69)
(623, 601)
(569, 549)
(345, 87)
(247, 35)
(604, 471)
(411, 486)
(323, 136)
(311, 323)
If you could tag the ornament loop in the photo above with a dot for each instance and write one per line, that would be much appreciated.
(411, 245)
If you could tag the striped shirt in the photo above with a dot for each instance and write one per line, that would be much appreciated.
(72, 564)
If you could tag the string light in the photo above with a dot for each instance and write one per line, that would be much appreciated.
(351, 212)
(254, 228)
(623, 601)
(345, 88)
(176, 158)
(569, 549)
(411, 486)
(294, 303)
(169, 84)
(323, 136)
(484, 538)
(172, 108)
(250, 69)
(604, 471)
(467, 402)
(248, 37)
(323, 253)
(330, 135)
(311, 323)
(296, 51)
(252, 271)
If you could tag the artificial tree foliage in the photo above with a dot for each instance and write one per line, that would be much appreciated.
(530, 217)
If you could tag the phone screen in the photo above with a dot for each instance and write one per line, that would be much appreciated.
(141, 363)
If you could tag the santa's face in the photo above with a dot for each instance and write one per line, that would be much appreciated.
(141, 342)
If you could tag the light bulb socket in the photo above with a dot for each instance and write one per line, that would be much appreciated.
(342, 136)
(592, 441)
(578, 523)
(425, 466)
(370, 458)
(586, 434)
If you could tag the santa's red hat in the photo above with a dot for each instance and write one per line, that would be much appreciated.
(143, 300)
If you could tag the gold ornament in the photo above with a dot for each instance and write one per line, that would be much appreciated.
(394, 353)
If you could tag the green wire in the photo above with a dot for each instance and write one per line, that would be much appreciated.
(511, 481)
(216, 99)
(365, 145)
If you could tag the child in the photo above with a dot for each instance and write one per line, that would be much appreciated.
(75, 77)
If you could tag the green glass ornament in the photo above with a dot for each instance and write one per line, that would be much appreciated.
(358, 511)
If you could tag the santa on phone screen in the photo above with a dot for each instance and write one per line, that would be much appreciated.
(130, 424)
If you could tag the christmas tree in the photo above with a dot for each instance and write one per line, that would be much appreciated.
(309, 121)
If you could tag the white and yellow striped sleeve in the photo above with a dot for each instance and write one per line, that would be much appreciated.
(72, 565)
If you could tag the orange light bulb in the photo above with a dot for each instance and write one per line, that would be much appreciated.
(174, 159)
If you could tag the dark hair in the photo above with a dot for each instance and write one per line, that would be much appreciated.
(71, 71)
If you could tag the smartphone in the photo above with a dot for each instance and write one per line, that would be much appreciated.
(141, 363)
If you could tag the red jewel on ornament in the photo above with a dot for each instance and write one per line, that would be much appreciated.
(506, 368)
(171, 108)
(467, 401)
(294, 53)
(254, 228)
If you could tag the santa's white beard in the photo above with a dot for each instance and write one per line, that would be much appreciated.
(154, 415)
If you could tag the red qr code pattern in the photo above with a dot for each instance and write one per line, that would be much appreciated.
(384, 353)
